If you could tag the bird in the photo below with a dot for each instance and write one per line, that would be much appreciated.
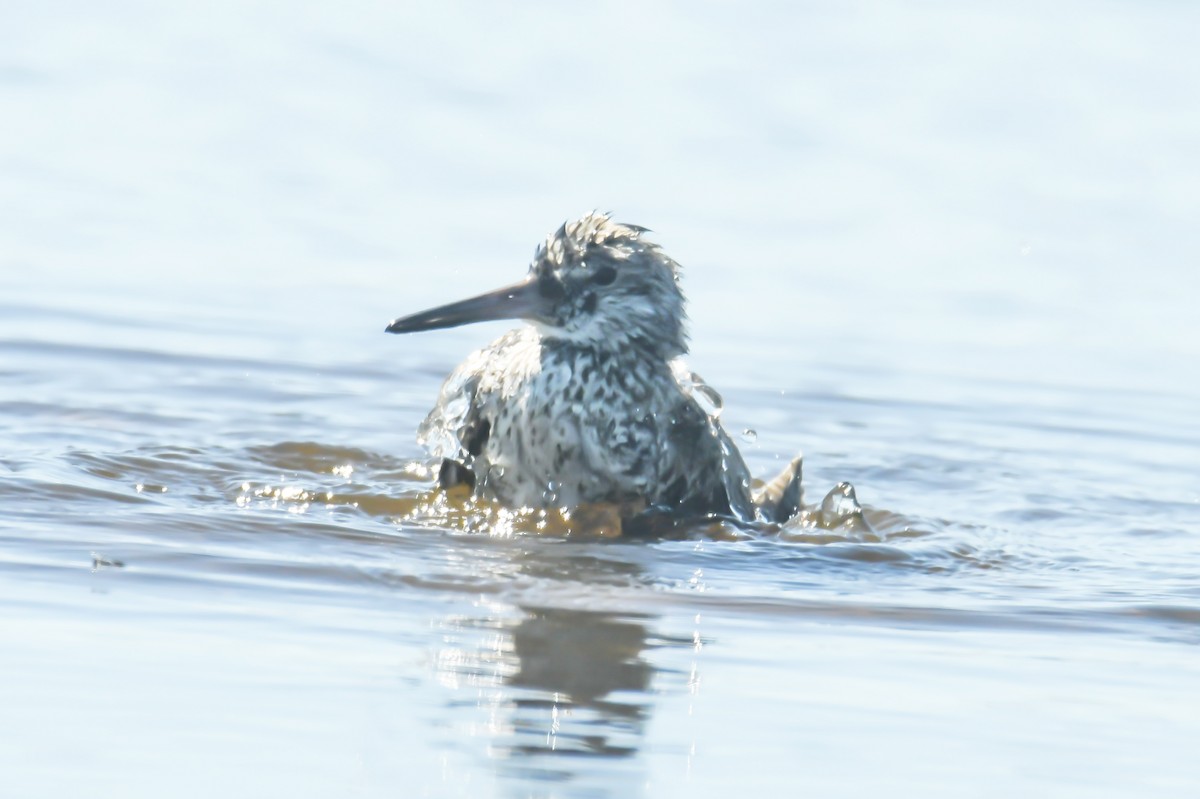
(590, 401)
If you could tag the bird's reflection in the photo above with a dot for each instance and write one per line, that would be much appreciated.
(555, 685)
(586, 671)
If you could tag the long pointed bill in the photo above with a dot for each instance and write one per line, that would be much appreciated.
(518, 301)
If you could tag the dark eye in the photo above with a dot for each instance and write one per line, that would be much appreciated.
(604, 276)
(549, 286)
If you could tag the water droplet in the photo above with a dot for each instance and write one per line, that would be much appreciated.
(456, 406)
(710, 401)
(550, 495)
(494, 472)
(839, 506)
(694, 386)
(749, 436)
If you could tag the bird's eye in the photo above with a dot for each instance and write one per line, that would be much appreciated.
(604, 276)
(549, 286)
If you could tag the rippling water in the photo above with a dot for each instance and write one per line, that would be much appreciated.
(949, 254)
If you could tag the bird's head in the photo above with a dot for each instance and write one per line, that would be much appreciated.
(594, 282)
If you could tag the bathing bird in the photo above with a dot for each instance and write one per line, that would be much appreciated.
(590, 402)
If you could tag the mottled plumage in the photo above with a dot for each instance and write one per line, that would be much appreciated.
(590, 402)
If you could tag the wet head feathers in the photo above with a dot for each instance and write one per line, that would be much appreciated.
(612, 287)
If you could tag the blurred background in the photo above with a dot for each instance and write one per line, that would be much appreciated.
(1000, 189)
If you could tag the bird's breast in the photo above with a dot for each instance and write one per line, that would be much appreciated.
(572, 430)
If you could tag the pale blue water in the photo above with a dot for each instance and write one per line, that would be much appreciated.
(948, 252)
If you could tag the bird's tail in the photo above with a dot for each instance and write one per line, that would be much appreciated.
(779, 500)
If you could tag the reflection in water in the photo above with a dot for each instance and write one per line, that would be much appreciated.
(581, 659)
(559, 689)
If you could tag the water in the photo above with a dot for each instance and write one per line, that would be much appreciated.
(947, 252)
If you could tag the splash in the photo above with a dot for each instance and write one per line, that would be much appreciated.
(693, 385)
(441, 431)
(458, 509)
(734, 474)
(316, 479)
(839, 518)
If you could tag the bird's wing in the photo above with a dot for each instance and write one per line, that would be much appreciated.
(707, 473)
(453, 429)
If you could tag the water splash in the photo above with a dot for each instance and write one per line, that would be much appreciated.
(734, 475)
(839, 518)
(440, 432)
(457, 509)
(310, 481)
(708, 398)
(693, 385)
(840, 507)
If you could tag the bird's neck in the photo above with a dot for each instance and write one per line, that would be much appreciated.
(627, 349)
